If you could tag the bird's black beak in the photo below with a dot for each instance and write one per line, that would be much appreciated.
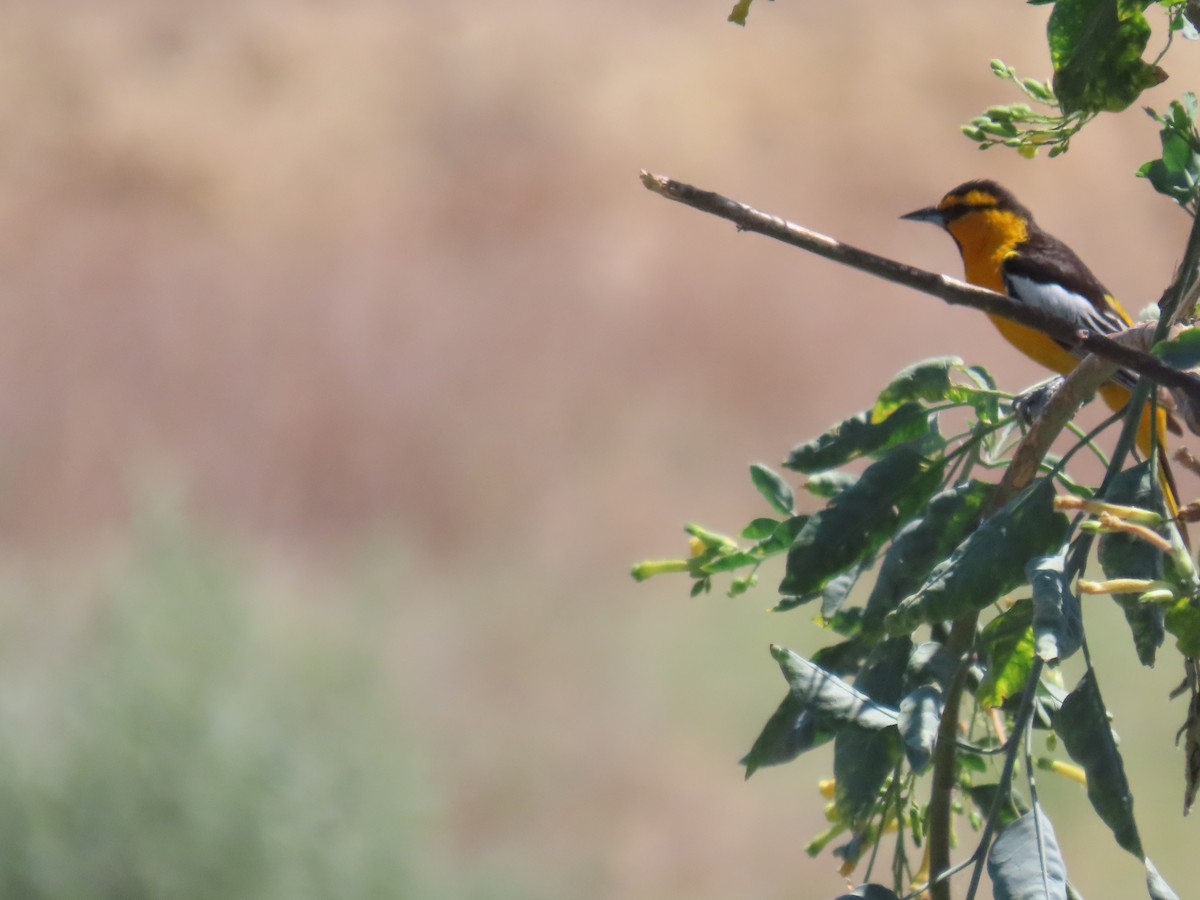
(930, 214)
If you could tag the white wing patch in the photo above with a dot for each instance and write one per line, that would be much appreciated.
(1057, 300)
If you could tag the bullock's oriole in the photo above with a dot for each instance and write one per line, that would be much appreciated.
(1003, 249)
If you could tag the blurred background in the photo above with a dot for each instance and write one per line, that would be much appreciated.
(346, 367)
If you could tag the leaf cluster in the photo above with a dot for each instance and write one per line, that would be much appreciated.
(904, 539)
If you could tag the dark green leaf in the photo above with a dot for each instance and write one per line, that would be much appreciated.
(1083, 726)
(1007, 646)
(930, 663)
(860, 520)
(989, 563)
(860, 436)
(832, 595)
(919, 715)
(1096, 47)
(1057, 618)
(921, 545)
(1025, 862)
(837, 702)
(928, 380)
(984, 796)
(791, 730)
(1125, 556)
(845, 658)
(863, 758)
(774, 489)
(882, 674)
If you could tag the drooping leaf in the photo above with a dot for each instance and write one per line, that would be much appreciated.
(928, 380)
(1025, 862)
(922, 544)
(1057, 618)
(837, 702)
(1125, 556)
(1007, 647)
(1083, 726)
(863, 758)
(989, 563)
(1096, 47)
(792, 729)
(858, 521)
(774, 489)
(860, 436)
(920, 712)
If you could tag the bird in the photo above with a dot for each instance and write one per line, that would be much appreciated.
(1005, 250)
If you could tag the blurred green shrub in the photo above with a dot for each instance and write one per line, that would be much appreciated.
(191, 741)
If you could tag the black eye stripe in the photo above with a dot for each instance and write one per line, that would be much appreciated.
(955, 210)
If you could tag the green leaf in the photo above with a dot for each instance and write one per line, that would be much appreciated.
(837, 702)
(1125, 556)
(792, 729)
(920, 712)
(928, 380)
(828, 485)
(1025, 861)
(740, 10)
(774, 489)
(863, 758)
(860, 520)
(1083, 726)
(1096, 47)
(1057, 618)
(781, 538)
(921, 545)
(760, 528)
(1181, 351)
(989, 563)
(984, 795)
(860, 436)
(1007, 645)
(832, 595)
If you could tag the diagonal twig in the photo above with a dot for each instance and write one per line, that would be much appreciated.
(951, 290)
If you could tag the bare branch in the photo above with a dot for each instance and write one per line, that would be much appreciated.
(951, 290)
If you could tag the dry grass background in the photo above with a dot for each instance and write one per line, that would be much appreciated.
(372, 288)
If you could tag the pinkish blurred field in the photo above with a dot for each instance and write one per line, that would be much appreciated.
(377, 281)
